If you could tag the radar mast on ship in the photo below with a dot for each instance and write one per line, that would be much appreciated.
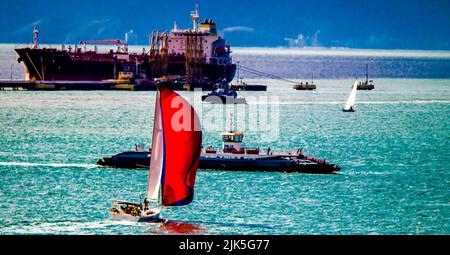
(195, 16)
(35, 38)
(232, 140)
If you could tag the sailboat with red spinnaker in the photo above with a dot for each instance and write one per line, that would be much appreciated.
(176, 148)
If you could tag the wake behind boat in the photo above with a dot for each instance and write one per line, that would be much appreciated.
(172, 174)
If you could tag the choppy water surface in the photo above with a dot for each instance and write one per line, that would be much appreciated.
(393, 151)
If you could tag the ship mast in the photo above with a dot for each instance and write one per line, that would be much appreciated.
(175, 28)
(231, 127)
(195, 16)
(367, 73)
(35, 38)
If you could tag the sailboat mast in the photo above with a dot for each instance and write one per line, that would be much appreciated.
(157, 154)
(159, 202)
(367, 73)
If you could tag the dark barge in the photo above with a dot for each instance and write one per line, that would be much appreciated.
(233, 157)
(232, 162)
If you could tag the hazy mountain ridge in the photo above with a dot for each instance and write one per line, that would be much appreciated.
(415, 24)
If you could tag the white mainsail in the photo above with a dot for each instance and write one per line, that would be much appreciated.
(352, 98)
(157, 155)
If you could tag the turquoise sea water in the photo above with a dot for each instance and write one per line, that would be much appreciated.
(394, 154)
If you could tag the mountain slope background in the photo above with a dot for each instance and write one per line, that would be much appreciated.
(379, 24)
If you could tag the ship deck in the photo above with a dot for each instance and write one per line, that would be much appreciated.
(279, 162)
(79, 85)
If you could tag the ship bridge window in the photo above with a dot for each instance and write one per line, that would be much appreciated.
(226, 138)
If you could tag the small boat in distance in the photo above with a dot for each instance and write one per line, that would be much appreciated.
(350, 104)
(306, 85)
(223, 95)
(241, 85)
(366, 85)
(173, 166)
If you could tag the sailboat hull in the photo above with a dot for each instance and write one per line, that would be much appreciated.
(124, 217)
(151, 219)
(128, 217)
(348, 110)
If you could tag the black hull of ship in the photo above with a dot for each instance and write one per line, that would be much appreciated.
(133, 159)
(56, 65)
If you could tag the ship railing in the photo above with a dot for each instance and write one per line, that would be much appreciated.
(303, 162)
(252, 150)
(315, 160)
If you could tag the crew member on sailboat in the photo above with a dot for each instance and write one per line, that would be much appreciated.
(171, 179)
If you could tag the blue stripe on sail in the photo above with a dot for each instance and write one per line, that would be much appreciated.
(185, 201)
(163, 172)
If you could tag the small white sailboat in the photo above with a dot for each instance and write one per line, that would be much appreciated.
(350, 104)
(176, 149)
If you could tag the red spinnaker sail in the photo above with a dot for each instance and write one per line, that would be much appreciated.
(182, 141)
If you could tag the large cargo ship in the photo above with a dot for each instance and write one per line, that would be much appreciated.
(196, 56)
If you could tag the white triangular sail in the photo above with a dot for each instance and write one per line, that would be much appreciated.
(157, 155)
(352, 98)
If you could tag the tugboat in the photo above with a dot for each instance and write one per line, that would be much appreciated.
(306, 85)
(241, 85)
(368, 84)
(223, 95)
(234, 157)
